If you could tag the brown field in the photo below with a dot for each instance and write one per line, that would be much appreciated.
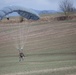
(49, 45)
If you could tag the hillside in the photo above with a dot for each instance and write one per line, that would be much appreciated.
(49, 48)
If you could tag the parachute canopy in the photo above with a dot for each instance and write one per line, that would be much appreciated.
(24, 12)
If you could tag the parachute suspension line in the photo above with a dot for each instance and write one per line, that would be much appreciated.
(14, 35)
(21, 36)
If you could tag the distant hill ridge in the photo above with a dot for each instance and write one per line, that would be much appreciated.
(38, 11)
(45, 11)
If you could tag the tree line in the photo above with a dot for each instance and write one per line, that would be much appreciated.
(67, 7)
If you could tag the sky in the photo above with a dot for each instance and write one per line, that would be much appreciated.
(34, 4)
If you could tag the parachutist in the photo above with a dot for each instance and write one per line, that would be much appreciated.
(24, 12)
(21, 56)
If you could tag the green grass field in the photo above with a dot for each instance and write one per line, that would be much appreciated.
(50, 49)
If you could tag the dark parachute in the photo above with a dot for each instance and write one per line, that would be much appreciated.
(24, 12)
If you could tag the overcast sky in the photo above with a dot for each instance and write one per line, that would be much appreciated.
(35, 4)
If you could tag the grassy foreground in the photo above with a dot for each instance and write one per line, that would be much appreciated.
(50, 49)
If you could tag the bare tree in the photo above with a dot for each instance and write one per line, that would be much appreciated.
(66, 6)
